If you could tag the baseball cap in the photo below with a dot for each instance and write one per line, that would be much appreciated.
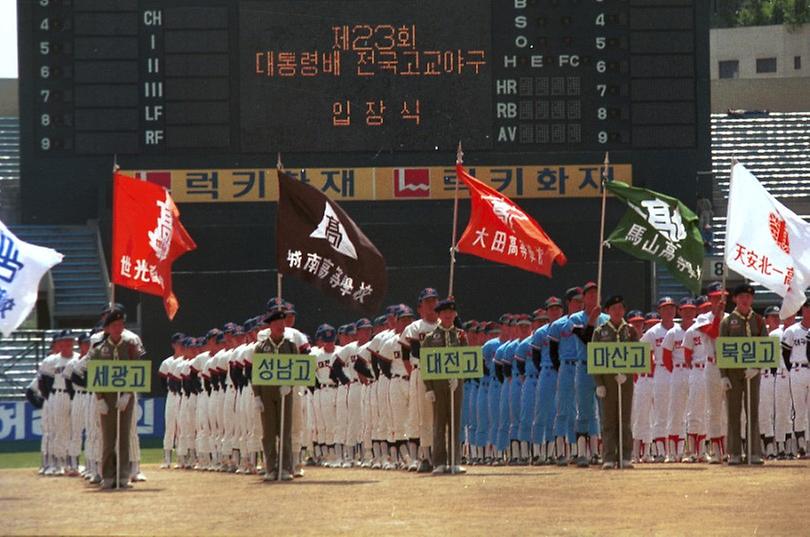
(446, 304)
(404, 311)
(715, 289)
(615, 299)
(686, 302)
(573, 293)
(588, 286)
(392, 309)
(665, 301)
(326, 332)
(523, 319)
(772, 310)
(553, 301)
(702, 302)
(652, 317)
(176, 337)
(634, 315)
(363, 323)
(505, 318)
(427, 292)
(743, 288)
(379, 321)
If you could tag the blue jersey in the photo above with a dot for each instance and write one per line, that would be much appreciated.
(524, 351)
(488, 350)
(509, 353)
(562, 331)
(580, 320)
(540, 341)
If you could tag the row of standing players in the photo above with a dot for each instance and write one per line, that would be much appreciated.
(536, 404)
(73, 420)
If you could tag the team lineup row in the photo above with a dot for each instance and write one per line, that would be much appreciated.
(535, 403)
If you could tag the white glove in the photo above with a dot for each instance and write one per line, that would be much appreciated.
(430, 396)
(285, 391)
(101, 406)
(123, 401)
(621, 378)
(726, 383)
(453, 384)
(257, 403)
(751, 373)
(601, 392)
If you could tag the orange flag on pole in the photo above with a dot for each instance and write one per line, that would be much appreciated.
(501, 231)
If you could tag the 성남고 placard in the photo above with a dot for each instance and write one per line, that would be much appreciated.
(283, 370)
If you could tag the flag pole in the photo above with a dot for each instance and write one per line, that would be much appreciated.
(749, 441)
(603, 180)
(452, 435)
(280, 167)
(117, 394)
(602, 232)
(459, 160)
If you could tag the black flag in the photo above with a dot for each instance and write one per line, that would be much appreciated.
(318, 243)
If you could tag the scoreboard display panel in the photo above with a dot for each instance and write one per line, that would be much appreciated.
(365, 99)
(243, 78)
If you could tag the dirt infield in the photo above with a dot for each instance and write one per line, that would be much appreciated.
(650, 500)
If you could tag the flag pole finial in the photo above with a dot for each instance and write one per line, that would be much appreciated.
(459, 154)
(116, 167)
(279, 165)
(605, 168)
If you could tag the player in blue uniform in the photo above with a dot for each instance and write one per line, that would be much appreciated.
(523, 329)
(529, 372)
(468, 402)
(489, 384)
(563, 348)
(545, 409)
(503, 363)
(587, 424)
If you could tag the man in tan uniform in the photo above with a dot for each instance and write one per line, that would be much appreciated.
(615, 329)
(438, 392)
(116, 345)
(742, 322)
(268, 402)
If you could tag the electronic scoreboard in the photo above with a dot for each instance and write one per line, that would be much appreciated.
(366, 100)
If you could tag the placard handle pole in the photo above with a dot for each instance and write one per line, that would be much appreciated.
(281, 437)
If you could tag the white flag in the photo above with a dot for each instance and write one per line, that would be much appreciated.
(22, 265)
(766, 242)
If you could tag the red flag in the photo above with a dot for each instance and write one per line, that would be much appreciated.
(501, 231)
(147, 238)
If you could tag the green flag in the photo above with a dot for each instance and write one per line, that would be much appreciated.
(661, 229)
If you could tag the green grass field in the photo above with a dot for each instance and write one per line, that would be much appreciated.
(31, 459)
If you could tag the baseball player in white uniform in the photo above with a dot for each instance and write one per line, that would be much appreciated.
(695, 345)
(326, 394)
(661, 377)
(709, 324)
(675, 362)
(419, 424)
(794, 353)
(767, 389)
(78, 408)
(59, 391)
(391, 355)
(380, 393)
(166, 373)
(349, 416)
(361, 363)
